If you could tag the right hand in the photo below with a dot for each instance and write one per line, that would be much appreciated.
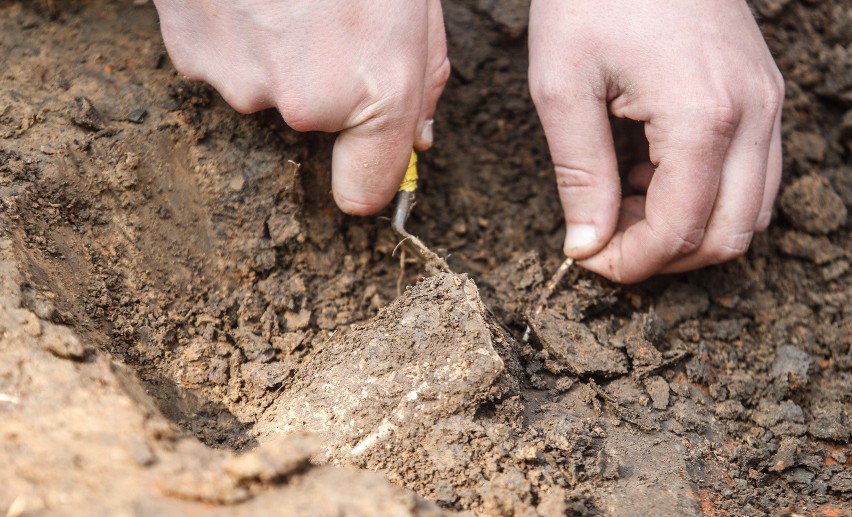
(372, 70)
(701, 79)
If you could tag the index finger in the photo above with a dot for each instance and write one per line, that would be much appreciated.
(689, 152)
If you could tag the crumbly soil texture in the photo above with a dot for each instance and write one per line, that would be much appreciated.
(188, 325)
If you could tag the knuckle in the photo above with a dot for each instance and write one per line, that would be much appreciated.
(441, 75)
(574, 178)
(186, 65)
(243, 99)
(298, 120)
(770, 96)
(681, 241)
(296, 115)
(687, 241)
(181, 57)
(387, 112)
(780, 85)
(295, 105)
(717, 116)
(763, 220)
(732, 246)
(546, 90)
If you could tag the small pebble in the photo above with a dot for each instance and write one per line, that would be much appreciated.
(658, 389)
(85, 115)
(137, 116)
(791, 364)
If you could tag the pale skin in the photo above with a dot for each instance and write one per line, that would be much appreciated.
(697, 74)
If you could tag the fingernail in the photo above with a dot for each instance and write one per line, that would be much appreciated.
(579, 236)
(426, 132)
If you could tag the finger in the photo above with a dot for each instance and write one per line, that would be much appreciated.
(689, 149)
(372, 152)
(773, 177)
(436, 77)
(586, 170)
(738, 204)
(370, 159)
(570, 97)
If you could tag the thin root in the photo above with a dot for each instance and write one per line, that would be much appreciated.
(401, 278)
(552, 284)
(404, 204)
(549, 288)
(399, 245)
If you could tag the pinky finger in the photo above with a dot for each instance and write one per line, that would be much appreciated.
(436, 75)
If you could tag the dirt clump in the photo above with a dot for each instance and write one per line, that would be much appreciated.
(813, 206)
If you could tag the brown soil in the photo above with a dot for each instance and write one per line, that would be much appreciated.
(188, 325)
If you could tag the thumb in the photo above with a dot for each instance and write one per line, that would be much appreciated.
(370, 159)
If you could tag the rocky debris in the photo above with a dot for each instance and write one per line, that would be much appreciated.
(429, 353)
(62, 343)
(255, 347)
(277, 475)
(831, 421)
(284, 228)
(842, 482)
(813, 206)
(682, 302)
(126, 458)
(658, 390)
(730, 409)
(841, 179)
(573, 348)
(799, 476)
(785, 457)
(638, 338)
(137, 116)
(85, 115)
(783, 418)
(834, 270)
(642, 419)
(806, 145)
(817, 249)
(273, 460)
(791, 365)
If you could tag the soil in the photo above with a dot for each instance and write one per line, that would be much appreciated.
(188, 324)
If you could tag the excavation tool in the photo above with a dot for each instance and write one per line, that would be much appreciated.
(405, 200)
(404, 203)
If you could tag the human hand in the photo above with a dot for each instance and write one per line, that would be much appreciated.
(371, 69)
(700, 77)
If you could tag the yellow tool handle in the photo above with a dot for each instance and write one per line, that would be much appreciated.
(409, 181)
